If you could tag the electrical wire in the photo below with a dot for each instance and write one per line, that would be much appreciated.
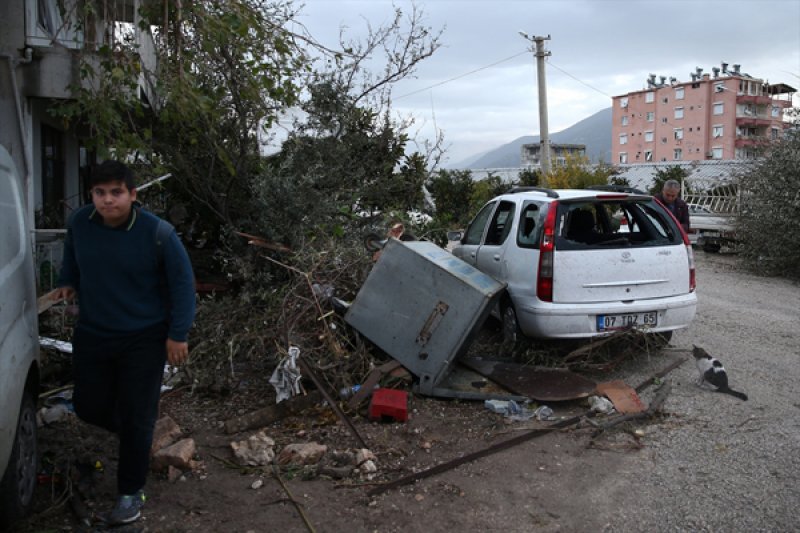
(577, 79)
(439, 84)
(461, 75)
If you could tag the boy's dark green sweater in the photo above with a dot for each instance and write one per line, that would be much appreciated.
(127, 281)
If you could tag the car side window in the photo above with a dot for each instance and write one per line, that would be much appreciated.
(478, 224)
(527, 234)
(501, 224)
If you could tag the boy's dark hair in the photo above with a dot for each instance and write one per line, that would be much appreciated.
(111, 170)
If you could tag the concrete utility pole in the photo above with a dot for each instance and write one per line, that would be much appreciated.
(544, 134)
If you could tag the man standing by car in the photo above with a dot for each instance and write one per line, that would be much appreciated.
(135, 290)
(670, 198)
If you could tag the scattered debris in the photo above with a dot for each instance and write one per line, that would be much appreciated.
(389, 404)
(267, 415)
(307, 453)
(624, 398)
(180, 455)
(257, 484)
(601, 404)
(166, 432)
(256, 450)
(286, 377)
(404, 307)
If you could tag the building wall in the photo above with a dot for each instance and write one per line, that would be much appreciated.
(691, 121)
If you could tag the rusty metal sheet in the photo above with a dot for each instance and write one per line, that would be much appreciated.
(622, 395)
(540, 383)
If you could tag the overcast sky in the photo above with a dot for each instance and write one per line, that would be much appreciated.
(600, 49)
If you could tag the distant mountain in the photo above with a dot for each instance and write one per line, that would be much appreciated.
(594, 132)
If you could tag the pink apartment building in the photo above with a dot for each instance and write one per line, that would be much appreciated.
(723, 115)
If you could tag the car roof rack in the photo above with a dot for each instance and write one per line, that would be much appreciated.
(616, 188)
(549, 192)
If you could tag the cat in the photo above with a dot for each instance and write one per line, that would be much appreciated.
(713, 373)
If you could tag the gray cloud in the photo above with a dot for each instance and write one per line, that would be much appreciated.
(600, 48)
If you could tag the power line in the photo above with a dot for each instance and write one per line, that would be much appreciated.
(494, 65)
(462, 75)
(577, 79)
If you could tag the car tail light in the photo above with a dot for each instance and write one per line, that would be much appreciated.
(544, 281)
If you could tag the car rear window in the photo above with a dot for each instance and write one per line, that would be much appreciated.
(614, 224)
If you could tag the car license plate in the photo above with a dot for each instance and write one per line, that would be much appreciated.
(612, 322)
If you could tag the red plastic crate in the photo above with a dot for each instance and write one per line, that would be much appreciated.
(389, 403)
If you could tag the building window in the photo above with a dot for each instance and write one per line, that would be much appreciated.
(623, 158)
(678, 112)
(774, 134)
(53, 164)
(678, 134)
(648, 155)
(716, 153)
(679, 93)
(650, 116)
(623, 139)
(624, 120)
(648, 136)
(719, 108)
(776, 111)
(716, 131)
(649, 97)
(623, 102)
(677, 154)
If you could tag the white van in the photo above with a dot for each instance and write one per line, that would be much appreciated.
(582, 263)
(19, 350)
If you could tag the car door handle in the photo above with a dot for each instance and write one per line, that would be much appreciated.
(472, 254)
(496, 257)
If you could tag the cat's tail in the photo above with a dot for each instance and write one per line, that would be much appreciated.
(740, 395)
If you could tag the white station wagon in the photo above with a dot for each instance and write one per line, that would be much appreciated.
(582, 263)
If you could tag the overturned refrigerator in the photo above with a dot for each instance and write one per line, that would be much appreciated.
(423, 307)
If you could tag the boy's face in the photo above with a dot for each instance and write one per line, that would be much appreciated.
(113, 200)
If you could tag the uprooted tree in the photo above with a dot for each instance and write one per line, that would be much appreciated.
(227, 72)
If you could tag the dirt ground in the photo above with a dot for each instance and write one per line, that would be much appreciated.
(708, 463)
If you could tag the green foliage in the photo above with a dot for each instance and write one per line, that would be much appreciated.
(662, 175)
(486, 189)
(769, 221)
(529, 177)
(452, 193)
(576, 173)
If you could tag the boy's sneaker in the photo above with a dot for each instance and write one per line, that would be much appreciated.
(128, 509)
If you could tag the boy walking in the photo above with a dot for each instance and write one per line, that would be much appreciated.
(135, 290)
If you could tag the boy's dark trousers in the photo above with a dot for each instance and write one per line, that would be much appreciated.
(117, 387)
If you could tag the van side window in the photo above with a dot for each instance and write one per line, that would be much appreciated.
(475, 230)
(526, 234)
(501, 224)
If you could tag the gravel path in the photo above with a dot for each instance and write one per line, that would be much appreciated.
(720, 464)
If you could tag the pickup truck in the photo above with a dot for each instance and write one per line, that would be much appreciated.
(713, 208)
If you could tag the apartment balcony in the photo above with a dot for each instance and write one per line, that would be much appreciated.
(748, 141)
(753, 99)
(753, 121)
(56, 31)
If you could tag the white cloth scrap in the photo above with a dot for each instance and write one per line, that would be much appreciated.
(286, 377)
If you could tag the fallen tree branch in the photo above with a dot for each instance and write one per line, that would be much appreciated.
(298, 505)
(444, 467)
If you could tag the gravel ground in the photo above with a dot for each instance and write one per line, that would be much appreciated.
(721, 464)
(711, 463)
